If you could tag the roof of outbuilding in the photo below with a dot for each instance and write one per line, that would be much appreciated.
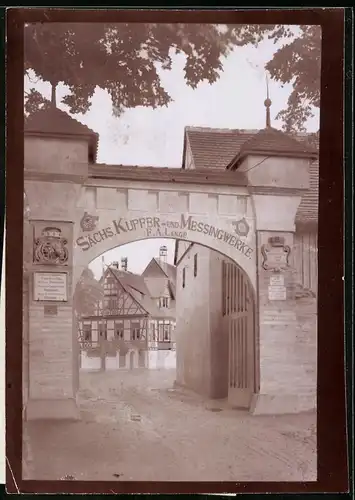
(215, 148)
(55, 122)
(218, 148)
(273, 141)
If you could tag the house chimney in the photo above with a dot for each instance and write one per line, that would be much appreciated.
(163, 253)
(124, 263)
(115, 264)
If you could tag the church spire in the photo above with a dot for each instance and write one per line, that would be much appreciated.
(267, 104)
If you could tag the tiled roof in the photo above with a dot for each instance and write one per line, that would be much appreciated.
(134, 282)
(131, 280)
(308, 209)
(217, 148)
(270, 140)
(168, 269)
(156, 286)
(54, 121)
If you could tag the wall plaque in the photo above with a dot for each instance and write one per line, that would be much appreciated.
(277, 292)
(277, 280)
(50, 287)
(275, 254)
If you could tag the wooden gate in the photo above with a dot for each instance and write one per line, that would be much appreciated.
(238, 310)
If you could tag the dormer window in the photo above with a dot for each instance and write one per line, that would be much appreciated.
(164, 302)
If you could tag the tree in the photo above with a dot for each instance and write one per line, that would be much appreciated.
(87, 293)
(297, 61)
(123, 58)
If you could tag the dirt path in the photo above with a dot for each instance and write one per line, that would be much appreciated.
(135, 427)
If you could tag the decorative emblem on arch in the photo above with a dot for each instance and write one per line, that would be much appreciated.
(241, 227)
(275, 254)
(51, 247)
(88, 222)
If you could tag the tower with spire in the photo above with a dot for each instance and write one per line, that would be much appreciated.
(267, 104)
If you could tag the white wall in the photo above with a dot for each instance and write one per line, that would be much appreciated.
(192, 322)
(56, 155)
(161, 359)
(112, 362)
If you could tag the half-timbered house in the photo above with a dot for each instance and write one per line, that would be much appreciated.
(133, 325)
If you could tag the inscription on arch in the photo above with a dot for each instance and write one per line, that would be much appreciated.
(159, 227)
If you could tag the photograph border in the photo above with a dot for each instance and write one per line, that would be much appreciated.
(331, 402)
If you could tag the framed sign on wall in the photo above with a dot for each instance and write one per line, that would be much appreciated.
(50, 287)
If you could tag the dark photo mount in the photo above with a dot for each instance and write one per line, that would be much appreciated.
(51, 250)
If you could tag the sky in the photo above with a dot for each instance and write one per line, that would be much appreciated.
(143, 136)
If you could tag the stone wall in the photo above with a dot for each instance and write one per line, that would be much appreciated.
(51, 353)
(287, 345)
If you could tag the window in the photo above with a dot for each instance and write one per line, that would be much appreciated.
(135, 331)
(87, 334)
(110, 304)
(160, 331)
(164, 332)
(195, 265)
(103, 331)
(164, 302)
(110, 286)
(119, 330)
(183, 277)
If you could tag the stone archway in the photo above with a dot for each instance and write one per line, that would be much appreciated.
(79, 210)
(121, 206)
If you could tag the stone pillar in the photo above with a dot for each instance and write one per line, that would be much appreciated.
(55, 168)
(276, 186)
(283, 387)
(52, 392)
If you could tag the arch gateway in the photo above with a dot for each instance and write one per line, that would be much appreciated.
(247, 212)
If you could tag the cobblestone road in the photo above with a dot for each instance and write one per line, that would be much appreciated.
(135, 427)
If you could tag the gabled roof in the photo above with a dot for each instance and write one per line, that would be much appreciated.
(163, 268)
(215, 148)
(168, 269)
(157, 286)
(126, 280)
(130, 280)
(52, 121)
(134, 282)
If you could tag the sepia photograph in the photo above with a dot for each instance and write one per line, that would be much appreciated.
(170, 252)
